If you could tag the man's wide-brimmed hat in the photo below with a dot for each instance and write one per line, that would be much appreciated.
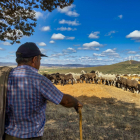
(28, 49)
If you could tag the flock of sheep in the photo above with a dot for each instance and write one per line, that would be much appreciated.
(127, 82)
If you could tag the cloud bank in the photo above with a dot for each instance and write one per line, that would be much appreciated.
(69, 22)
(135, 35)
(58, 36)
(67, 10)
(94, 35)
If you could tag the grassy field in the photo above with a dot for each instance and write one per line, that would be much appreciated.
(119, 68)
(109, 113)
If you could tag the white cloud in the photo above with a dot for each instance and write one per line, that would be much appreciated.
(41, 44)
(69, 22)
(112, 59)
(131, 52)
(68, 51)
(88, 60)
(120, 16)
(110, 33)
(135, 35)
(80, 60)
(38, 14)
(52, 42)
(43, 50)
(70, 38)
(110, 53)
(99, 59)
(101, 55)
(6, 43)
(137, 55)
(72, 13)
(91, 46)
(1, 49)
(45, 28)
(85, 58)
(84, 48)
(115, 49)
(67, 11)
(59, 61)
(95, 54)
(58, 36)
(66, 29)
(71, 49)
(71, 56)
(94, 35)
(56, 55)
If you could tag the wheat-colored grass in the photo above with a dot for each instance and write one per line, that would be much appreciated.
(109, 113)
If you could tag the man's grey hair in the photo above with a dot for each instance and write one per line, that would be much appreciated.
(21, 60)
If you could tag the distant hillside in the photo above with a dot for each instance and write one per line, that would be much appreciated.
(51, 65)
(68, 65)
(125, 67)
(132, 67)
(7, 64)
(128, 62)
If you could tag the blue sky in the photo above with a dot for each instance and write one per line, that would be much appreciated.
(87, 32)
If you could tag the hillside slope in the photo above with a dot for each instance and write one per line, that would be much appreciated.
(118, 68)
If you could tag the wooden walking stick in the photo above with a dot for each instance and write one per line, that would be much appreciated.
(80, 123)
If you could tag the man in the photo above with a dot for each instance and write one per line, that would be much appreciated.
(27, 94)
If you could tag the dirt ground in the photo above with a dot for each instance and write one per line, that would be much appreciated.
(100, 91)
(109, 113)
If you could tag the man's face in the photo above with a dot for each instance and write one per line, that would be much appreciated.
(37, 62)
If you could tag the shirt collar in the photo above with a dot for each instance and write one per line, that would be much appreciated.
(27, 67)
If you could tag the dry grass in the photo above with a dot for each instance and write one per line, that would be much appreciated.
(109, 113)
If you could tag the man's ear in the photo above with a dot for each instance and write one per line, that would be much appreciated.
(34, 59)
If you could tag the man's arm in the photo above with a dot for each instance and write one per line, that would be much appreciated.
(70, 101)
(51, 93)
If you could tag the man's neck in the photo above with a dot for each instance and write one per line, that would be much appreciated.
(27, 65)
(23, 64)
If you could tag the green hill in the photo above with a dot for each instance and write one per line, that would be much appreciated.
(126, 67)
(128, 62)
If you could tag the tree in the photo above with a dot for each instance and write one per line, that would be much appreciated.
(17, 17)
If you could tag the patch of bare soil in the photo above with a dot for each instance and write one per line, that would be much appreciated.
(109, 113)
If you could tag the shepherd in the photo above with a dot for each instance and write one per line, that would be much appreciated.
(27, 95)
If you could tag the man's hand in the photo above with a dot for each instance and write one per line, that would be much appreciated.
(79, 105)
(70, 101)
